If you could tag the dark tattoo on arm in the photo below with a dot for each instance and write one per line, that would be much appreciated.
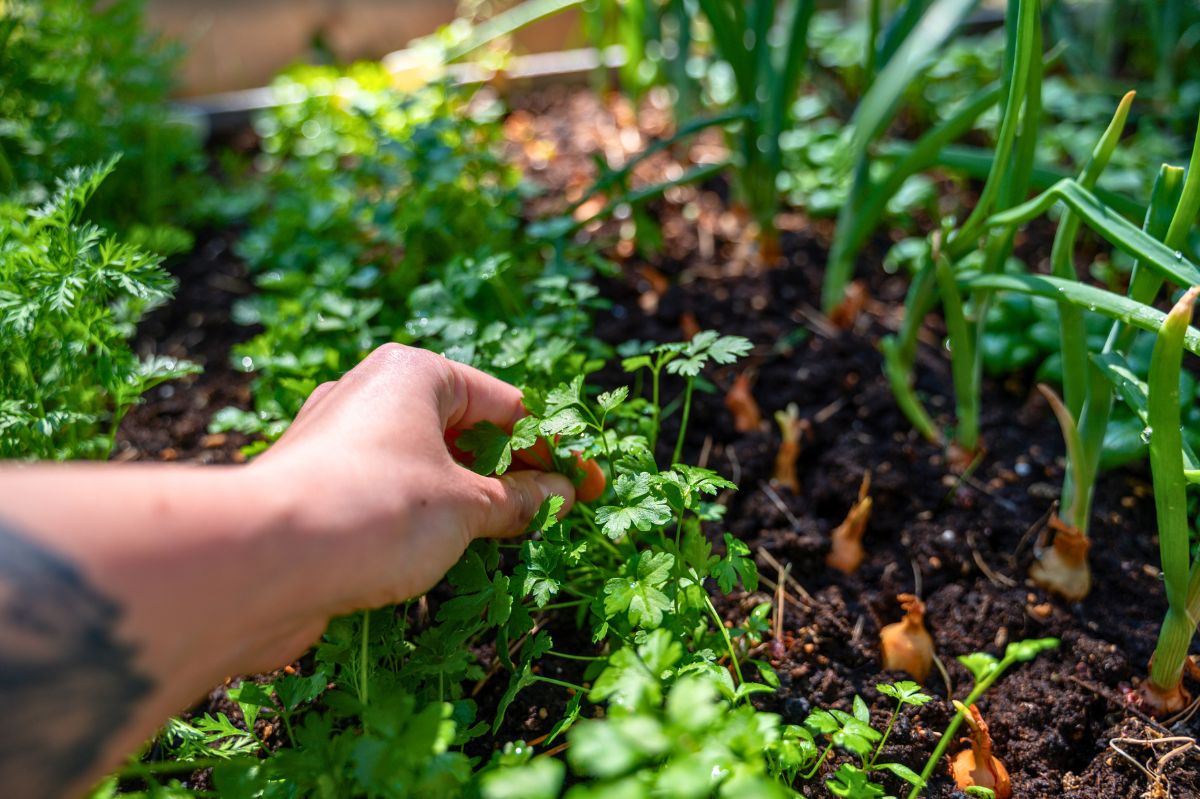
(66, 682)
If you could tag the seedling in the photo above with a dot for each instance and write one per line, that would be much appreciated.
(741, 404)
(906, 645)
(985, 669)
(846, 551)
(977, 767)
(1063, 567)
(791, 430)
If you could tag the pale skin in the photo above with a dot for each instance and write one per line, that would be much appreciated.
(215, 571)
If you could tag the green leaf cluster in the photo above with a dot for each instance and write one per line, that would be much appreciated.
(70, 297)
(83, 80)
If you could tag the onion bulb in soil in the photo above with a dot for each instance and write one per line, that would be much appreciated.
(791, 429)
(1159, 701)
(846, 550)
(977, 766)
(906, 645)
(851, 307)
(740, 402)
(1063, 568)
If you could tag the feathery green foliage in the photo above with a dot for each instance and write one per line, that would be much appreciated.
(70, 296)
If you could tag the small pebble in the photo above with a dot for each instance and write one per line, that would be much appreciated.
(214, 440)
(168, 454)
(1041, 611)
(1043, 491)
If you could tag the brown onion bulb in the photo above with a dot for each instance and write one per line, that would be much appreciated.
(906, 645)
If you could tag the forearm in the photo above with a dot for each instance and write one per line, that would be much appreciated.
(158, 582)
(127, 591)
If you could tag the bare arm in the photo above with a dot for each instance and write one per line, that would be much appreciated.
(126, 591)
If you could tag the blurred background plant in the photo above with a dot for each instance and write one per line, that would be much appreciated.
(70, 297)
(84, 80)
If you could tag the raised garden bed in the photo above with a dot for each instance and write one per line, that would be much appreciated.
(964, 544)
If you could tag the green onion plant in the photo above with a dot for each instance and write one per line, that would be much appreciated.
(915, 34)
(955, 249)
(766, 46)
(1163, 691)
(1092, 380)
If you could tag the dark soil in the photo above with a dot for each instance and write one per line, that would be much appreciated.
(171, 423)
(963, 545)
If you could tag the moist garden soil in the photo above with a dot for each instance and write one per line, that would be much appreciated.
(964, 545)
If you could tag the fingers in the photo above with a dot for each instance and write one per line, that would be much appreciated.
(476, 397)
(315, 398)
(502, 507)
(591, 485)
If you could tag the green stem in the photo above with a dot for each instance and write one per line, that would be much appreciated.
(1023, 38)
(175, 766)
(568, 656)
(683, 422)
(900, 351)
(656, 372)
(820, 761)
(962, 357)
(951, 728)
(362, 658)
(1171, 651)
(883, 741)
(560, 683)
(874, 13)
(716, 617)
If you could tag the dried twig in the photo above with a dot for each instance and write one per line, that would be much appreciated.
(996, 577)
(787, 576)
(773, 495)
(1154, 769)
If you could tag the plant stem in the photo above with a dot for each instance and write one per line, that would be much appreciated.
(887, 731)
(174, 766)
(362, 658)
(951, 728)
(962, 357)
(737, 669)
(683, 422)
(655, 372)
(1171, 650)
(567, 656)
(560, 683)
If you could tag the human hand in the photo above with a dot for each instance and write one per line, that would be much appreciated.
(386, 508)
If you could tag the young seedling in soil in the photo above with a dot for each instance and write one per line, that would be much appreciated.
(1163, 693)
(976, 766)
(792, 430)
(985, 669)
(740, 402)
(1063, 568)
(846, 550)
(906, 645)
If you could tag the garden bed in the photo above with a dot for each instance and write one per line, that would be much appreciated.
(963, 544)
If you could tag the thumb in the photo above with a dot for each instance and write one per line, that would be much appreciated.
(509, 502)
